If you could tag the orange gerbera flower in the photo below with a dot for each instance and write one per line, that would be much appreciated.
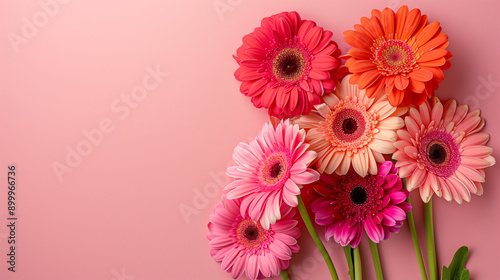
(399, 51)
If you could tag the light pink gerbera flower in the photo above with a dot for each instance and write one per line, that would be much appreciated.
(349, 204)
(241, 244)
(351, 129)
(441, 150)
(269, 170)
(287, 64)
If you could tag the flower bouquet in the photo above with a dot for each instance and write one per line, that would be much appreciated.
(355, 139)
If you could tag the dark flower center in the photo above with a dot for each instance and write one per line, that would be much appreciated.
(359, 195)
(349, 126)
(251, 233)
(289, 65)
(437, 154)
(276, 170)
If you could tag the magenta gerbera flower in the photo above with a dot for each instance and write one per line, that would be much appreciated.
(269, 171)
(241, 244)
(350, 204)
(442, 150)
(287, 64)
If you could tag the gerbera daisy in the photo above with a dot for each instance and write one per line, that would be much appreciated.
(269, 170)
(442, 150)
(350, 203)
(351, 129)
(399, 51)
(287, 64)
(241, 244)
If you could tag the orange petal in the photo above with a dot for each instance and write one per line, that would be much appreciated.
(437, 41)
(360, 53)
(390, 81)
(445, 66)
(395, 97)
(362, 66)
(357, 39)
(350, 61)
(427, 33)
(374, 89)
(400, 21)
(354, 78)
(377, 13)
(375, 27)
(387, 21)
(433, 63)
(416, 86)
(401, 82)
(436, 73)
(368, 78)
(422, 75)
(421, 25)
(412, 21)
(432, 55)
(362, 29)
(364, 20)
(419, 98)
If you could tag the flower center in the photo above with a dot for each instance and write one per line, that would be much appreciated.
(359, 195)
(349, 125)
(439, 153)
(393, 57)
(289, 64)
(274, 171)
(251, 234)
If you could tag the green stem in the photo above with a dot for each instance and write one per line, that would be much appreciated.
(315, 237)
(348, 256)
(414, 237)
(429, 236)
(284, 275)
(376, 260)
(358, 275)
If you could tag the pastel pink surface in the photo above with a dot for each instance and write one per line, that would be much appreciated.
(118, 212)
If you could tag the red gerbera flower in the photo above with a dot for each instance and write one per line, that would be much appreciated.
(287, 64)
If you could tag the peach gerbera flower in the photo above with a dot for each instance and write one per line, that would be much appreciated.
(351, 129)
(442, 150)
(399, 54)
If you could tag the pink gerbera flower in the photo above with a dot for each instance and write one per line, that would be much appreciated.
(287, 64)
(351, 129)
(441, 150)
(349, 204)
(241, 244)
(269, 170)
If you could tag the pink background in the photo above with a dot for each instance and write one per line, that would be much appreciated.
(116, 213)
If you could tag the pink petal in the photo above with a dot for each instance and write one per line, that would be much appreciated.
(252, 268)
(307, 177)
(477, 151)
(416, 179)
(238, 267)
